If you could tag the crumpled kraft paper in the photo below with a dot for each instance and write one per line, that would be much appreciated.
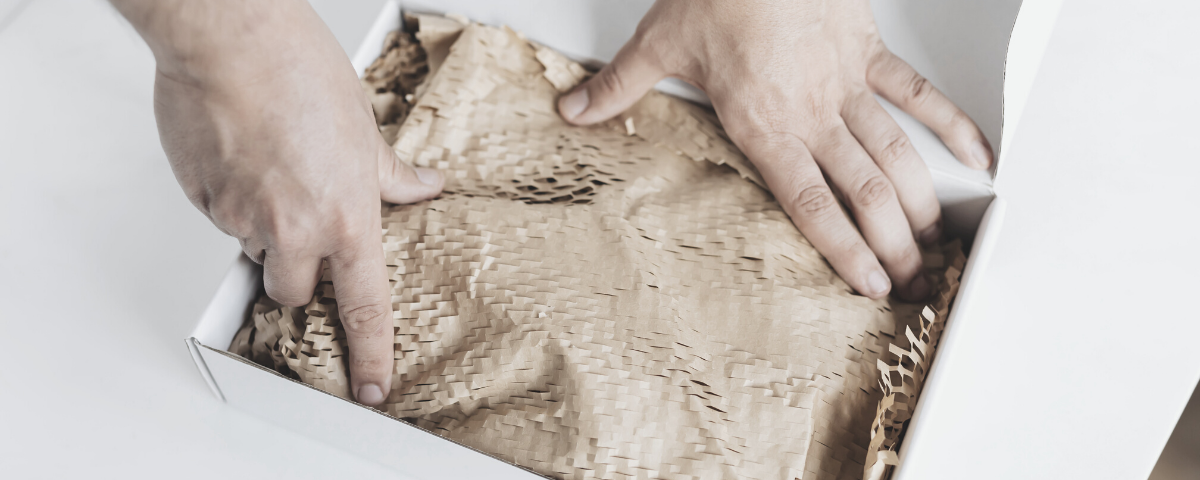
(618, 301)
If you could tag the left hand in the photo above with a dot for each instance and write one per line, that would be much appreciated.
(269, 134)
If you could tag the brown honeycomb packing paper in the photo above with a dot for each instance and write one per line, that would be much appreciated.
(617, 301)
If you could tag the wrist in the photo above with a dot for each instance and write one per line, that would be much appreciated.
(199, 42)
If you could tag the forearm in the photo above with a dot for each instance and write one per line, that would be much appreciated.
(201, 40)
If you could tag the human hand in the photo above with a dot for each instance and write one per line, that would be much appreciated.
(792, 82)
(271, 136)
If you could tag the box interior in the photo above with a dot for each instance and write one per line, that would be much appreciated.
(970, 208)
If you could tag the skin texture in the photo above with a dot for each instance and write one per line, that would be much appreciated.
(792, 82)
(271, 136)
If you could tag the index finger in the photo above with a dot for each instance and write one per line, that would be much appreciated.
(365, 308)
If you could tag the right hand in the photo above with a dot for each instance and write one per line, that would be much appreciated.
(271, 136)
(793, 82)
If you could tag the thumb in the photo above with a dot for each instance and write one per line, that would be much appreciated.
(619, 84)
(400, 182)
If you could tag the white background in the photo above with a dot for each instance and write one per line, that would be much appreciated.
(1084, 337)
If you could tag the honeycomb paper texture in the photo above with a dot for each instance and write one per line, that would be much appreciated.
(618, 301)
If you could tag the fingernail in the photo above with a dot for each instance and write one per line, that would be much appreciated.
(878, 283)
(370, 394)
(919, 289)
(982, 154)
(428, 176)
(931, 235)
(573, 104)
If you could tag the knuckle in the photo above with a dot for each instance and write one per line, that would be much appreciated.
(894, 152)
(815, 202)
(201, 198)
(346, 229)
(612, 81)
(365, 320)
(291, 236)
(823, 110)
(368, 363)
(752, 110)
(226, 212)
(874, 193)
(910, 255)
(961, 122)
(289, 297)
(902, 259)
(918, 89)
(290, 241)
(256, 255)
(880, 57)
(770, 139)
(772, 127)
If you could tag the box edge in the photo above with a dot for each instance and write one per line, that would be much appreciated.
(981, 252)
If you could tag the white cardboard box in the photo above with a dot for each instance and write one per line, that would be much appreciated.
(962, 47)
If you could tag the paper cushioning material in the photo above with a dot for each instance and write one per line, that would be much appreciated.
(624, 300)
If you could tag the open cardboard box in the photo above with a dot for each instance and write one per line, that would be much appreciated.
(964, 48)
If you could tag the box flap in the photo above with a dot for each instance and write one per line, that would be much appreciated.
(914, 452)
(1030, 35)
(237, 292)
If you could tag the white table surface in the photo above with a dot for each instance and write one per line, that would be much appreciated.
(1083, 340)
